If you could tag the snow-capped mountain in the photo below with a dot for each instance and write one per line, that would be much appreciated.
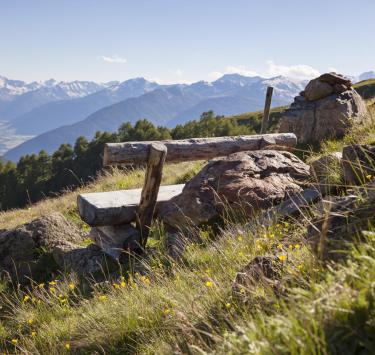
(63, 111)
(162, 104)
(11, 88)
(367, 75)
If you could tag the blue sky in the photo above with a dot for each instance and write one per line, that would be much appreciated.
(183, 40)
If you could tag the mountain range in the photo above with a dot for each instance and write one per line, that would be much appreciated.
(47, 114)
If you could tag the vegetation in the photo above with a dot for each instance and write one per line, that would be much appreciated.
(38, 175)
(190, 307)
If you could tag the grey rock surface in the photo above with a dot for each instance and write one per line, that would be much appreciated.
(323, 113)
(245, 182)
(25, 250)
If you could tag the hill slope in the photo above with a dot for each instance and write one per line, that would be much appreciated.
(189, 306)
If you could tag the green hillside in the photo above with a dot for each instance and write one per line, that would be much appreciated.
(189, 306)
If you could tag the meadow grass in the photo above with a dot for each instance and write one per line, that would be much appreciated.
(163, 306)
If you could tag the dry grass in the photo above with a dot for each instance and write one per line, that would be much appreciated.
(114, 180)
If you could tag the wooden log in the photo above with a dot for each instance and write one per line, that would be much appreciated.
(154, 173)
(196, 148)
(267, 107)
(118, 207)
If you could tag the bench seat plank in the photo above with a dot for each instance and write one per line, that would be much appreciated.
(118, 207)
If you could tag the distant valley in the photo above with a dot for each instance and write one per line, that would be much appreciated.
(38, 116)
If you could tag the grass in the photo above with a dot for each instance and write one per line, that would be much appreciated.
(112, 180)
(190, 306)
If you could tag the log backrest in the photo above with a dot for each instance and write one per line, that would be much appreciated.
(195, 148)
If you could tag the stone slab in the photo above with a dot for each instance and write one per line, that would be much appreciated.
(118, 207)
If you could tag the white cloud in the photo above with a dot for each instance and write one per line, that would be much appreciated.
(298, 71)
(179, 72)
(240, 70)
(231, 69)
(215, 75)
(332, 69)
(113, 59)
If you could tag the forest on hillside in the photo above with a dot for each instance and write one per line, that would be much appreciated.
(40, 175)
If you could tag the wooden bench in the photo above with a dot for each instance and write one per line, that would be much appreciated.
(138, 205)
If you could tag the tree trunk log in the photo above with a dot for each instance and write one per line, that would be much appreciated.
(154, 172)
(196, 148)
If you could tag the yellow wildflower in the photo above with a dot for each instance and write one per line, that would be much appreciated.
(239, 238)
(67, 346)
(103, 297)
(26, 298)
(33, 333)
(279, 246)
(290, 246)
(41, 285)
(209, 284)
(297, 246)
(123, 284)
(30, 321)
(72, 286)
(228, 305)
(167, 311)
(14, 341)
(282, 257)
(116, 286)
(369, 177)
(145, 280)
(52, 289)
(52, 283)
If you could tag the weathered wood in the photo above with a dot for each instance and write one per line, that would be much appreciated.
(118, 207)
(267, 107)
(154, 173)
(195, 148)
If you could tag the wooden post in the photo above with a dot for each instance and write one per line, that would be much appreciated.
(266, 112)
(154, 172)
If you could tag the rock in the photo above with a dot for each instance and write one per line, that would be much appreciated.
(329, 117)
(339, 88)
(246, 182)
(335, 78)
(114, 240)
(358, 163)
(262, 269)
(326, 165)
(317, 89)
(89, 261)
(25, 251)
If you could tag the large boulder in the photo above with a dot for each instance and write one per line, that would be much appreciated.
(26, 251)
(246, 181)
(327, 108)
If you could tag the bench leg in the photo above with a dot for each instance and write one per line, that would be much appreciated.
(154, 172)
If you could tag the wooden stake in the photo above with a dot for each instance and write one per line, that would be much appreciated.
(267, 107)
(154, 172)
